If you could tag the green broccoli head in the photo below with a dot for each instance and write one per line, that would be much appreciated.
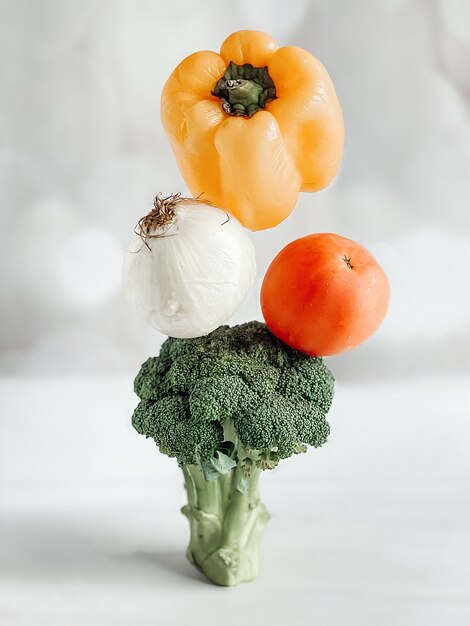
(236, 393)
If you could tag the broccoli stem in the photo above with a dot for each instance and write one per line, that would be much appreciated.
(226, 524)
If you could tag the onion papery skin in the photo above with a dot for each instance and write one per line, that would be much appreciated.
(189, 277)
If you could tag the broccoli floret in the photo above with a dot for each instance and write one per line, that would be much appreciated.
(276, 397)
(167, 421)
(229, 405)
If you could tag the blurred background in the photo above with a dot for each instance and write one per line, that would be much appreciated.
(83, 154)
(87, 507)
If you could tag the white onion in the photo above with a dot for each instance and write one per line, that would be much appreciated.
(190, 276)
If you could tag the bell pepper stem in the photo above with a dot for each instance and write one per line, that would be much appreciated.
(245, 89)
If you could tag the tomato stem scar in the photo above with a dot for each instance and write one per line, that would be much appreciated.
(348, 262)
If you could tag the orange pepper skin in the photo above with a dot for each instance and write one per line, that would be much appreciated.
(255, 166)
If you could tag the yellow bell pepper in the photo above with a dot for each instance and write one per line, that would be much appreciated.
(252, 126)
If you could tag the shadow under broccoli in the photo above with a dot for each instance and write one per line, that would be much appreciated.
(228, 406)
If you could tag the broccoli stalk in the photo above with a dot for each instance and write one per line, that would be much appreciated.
(228, 406)
(225, 523)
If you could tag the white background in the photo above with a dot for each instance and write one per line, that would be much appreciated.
(371, 529)
(83, 154)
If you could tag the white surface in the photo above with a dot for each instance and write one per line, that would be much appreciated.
(372, 529)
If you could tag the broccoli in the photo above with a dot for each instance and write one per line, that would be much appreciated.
(228, 406)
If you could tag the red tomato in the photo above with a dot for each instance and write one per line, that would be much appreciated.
(324, 294)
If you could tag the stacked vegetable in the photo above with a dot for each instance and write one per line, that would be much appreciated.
(250, 128)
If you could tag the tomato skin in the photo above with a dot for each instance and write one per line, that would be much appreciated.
(324, 294)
